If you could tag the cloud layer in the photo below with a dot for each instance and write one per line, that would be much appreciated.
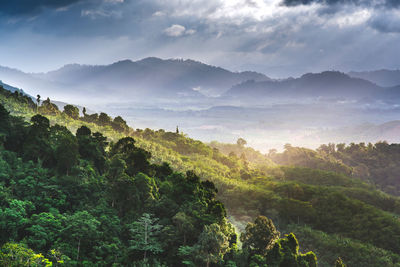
(277, 37)
(24, 7)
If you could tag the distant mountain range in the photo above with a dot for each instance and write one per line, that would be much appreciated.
(329, 85)
(385, 78)
(175, 81)
(149, 77)
(212, 103)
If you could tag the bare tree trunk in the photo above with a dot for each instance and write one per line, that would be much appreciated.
(145, 238)
(79, 246)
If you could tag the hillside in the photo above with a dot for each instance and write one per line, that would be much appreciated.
(79, 200)
(296, 199)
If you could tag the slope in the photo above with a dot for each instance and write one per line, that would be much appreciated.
(325, 201)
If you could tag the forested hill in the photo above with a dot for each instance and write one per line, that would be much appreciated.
(81, 193)
(80, 200)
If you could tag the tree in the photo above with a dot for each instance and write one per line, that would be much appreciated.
(285, 253)
(17, 255)
(67, 152)
(119, 124)
(37, 103)
(146, 190)
(81, 227)
(184, 223)
(212, 244)
(5, 124)
(83, 131)
(259, 236)
(49, 108)
(241, 142)
(104, 119)
(36, 145)
(13, 219)
(71, 111)
(339, 263)
(144, 235)
(44, 230)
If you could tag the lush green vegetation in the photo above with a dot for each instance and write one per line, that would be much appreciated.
(377, 164)
(79, 200)
(321, 200)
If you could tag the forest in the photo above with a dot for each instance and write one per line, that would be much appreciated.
(84, 192)
(77, 199)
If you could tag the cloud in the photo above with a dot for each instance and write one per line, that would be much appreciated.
(28, 7)
(177, 30)
(365, 3)
(190, 32)
(262, 35)
(387, 22)
(114, 1)
(97, 13)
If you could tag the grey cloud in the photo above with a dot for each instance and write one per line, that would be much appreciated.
(385, 22)
(27, 7)
(367, 3)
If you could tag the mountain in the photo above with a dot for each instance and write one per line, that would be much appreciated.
(153, 78)
(32, 85)
(10, 88)
(328, 84)
(385, 78)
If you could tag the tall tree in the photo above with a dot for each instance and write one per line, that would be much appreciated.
(212, 244)
(144, 235)
(37, 103)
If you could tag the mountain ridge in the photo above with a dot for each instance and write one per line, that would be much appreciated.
(382, 77)
(175, 78)
(330, 84)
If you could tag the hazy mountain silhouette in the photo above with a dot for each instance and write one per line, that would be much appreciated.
(161, 76)
(154, 80)
(141, 80)
(385, 78)
(328, 84)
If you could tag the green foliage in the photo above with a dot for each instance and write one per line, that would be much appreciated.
(48, 108)
(17, 255)
(84, 200)
(339, 263)
(328, 247)
(285, 253)
(259, 236)
(210, 248)
(71, 111)
(145, 234)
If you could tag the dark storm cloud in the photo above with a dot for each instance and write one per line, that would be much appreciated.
(367, 3)
(263, 35)
(28, 7)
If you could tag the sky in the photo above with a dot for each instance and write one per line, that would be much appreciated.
(280, 38)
